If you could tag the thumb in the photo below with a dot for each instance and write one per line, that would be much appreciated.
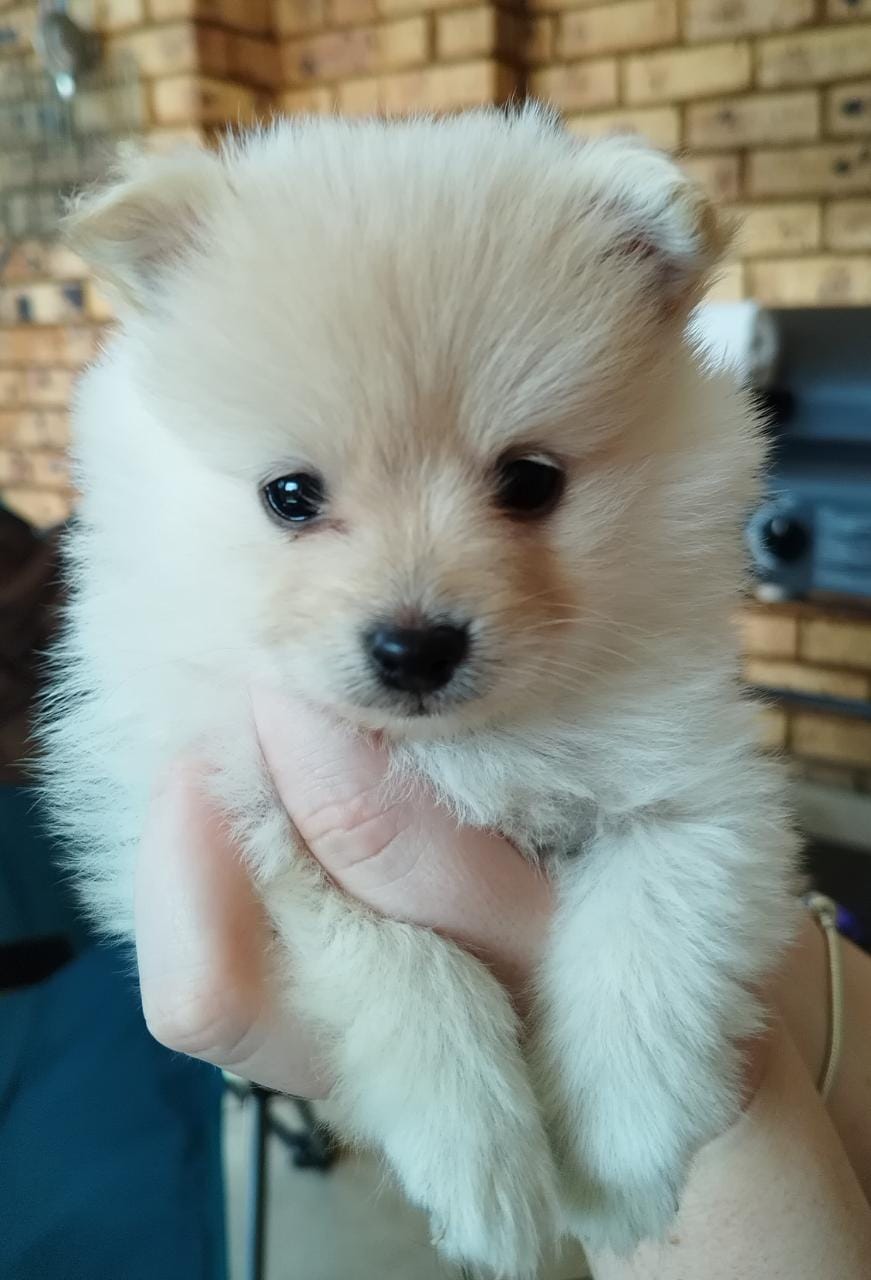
(405, 857)
(334, 783)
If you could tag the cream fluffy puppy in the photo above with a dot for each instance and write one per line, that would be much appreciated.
(403, 417)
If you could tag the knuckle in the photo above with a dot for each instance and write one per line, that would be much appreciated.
(198, 1020)
(361, 825)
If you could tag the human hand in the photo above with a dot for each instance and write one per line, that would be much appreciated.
(202, 936)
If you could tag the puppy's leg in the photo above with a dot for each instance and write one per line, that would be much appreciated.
(423, 1042)
(663, 928)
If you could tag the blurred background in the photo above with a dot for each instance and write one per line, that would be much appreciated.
(768, 103)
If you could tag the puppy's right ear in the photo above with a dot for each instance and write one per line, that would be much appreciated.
(132, 232)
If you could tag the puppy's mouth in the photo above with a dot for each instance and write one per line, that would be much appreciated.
(379, 707)
(415, 706)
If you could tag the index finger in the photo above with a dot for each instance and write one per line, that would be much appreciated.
(204, 947)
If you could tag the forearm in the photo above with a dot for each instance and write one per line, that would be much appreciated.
(772, 1199)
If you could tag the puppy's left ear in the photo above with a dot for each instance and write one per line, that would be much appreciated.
(657, 213)
(136, 230)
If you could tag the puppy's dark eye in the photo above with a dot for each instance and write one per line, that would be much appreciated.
(530, 486)
(296, 498)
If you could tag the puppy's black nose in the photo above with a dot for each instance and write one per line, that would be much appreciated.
(417, 659)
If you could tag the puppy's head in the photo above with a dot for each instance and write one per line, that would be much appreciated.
(422, 370)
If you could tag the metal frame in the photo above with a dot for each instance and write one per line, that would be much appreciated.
(312, 1146)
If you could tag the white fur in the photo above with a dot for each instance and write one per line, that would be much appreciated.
(395, 305)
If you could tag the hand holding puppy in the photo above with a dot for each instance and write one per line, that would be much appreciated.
(206, 986)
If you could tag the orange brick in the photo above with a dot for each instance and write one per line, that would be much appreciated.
(814, 56)
(806, 282)
(351, 13)
(848, 10)
(720, 175)
(43, 509)
(578, 85)
(446, 88)
(613, 28)
(538, 40)
(688, 73)
(108, 15)
(829, 169)
(23, 261)
(254, 60)
(832, 738)
(72, 346)
(37, 387)
(243, 15)
(848, 108)
(474, 33)
(212, 52)
(726, 19)
(771, 728)
(767, 634)
(359, 97)
(405, 91)
(847, 224)
(781, 227)
(338, 55)
(469, 84)
(47, 387)
(162, 51)
(836, 642)
(401, 8)
(754, 119)
(300, 17)
(315, 101)
(39, 468)
(11, 387)
(247, 15)
(558, 6)
(659, 125)
(34, 428)
(201, 100)
(803, 678)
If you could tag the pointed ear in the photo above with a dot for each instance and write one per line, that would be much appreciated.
(133, 231)
(659, 214)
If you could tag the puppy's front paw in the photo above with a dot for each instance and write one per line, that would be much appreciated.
(618, 1218)
(496, 1202)
(624, 1175)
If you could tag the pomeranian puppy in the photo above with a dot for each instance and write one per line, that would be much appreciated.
(403, 417)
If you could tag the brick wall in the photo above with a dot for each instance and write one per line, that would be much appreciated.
(769, 101)
(804, 649)
(198, 64)
(360, 56)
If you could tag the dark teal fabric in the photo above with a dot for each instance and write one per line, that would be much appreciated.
(35, 896)
(110, 1163)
